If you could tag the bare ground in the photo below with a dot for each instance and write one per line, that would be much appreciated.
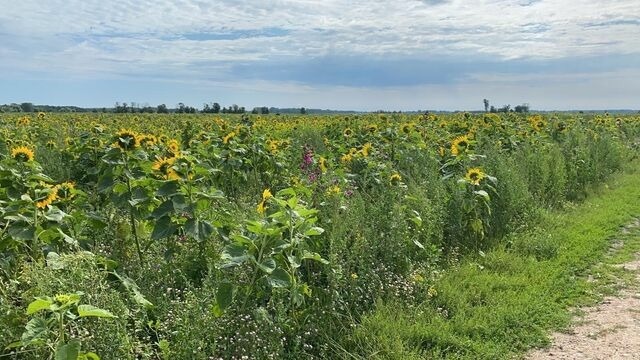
(610, 330)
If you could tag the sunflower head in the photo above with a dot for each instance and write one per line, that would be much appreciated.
(49, 196)
(366, 149)
(148, 140)
(22, 154)
(24, 121)
(459, 144)
(174, 147)
(406, 128)
(229, 136)
(266, 195)
(66, 190)
(372, 128)
(474, 176)
(164, 166)
(395, 178)
(347, 132)
(126, 140)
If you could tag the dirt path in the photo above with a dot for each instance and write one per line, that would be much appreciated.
(610, 330)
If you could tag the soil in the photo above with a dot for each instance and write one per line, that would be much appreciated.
(609, 330)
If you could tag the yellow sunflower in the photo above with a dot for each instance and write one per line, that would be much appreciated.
(347, 132)
(395, 178)
(148, 140)
(65, 190)
(165, 167)
(262, 206)
(459, 144)
(174, 147)
(225, 140)
(474, 176)
(22, 154)
(51, 196)
(126, 140)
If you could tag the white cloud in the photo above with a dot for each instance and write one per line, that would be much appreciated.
(98, 39)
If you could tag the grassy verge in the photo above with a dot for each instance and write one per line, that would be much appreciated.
(499, 305)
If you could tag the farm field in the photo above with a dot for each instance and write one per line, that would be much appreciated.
(154, 236)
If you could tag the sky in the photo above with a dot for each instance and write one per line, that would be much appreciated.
(350, 54)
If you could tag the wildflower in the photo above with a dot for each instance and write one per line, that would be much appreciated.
(474, 176)
(22, 154)
(333, 190)
(322, 163)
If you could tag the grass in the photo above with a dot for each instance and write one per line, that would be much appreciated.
(499, 305)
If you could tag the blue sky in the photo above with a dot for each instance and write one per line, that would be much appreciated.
(359, 54)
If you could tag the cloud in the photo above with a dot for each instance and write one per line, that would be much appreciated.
(355, 44)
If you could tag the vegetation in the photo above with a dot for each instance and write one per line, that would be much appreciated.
(196, 236)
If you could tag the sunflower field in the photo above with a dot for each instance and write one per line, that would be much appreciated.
(270, 237)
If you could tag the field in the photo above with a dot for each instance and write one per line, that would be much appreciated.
(298, 236)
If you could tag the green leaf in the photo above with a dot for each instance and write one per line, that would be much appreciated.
(138, 196)
(88, 356)
(267, 265)
(35, 331)
(135, 291)
(163, 228)
(279, 278)
(68, 239)
(163, 210)
(54, 262)
(169, 188)
(224, 296)
(92, 311)
(233, 255)
(200, 230)
(21, 231)
(314, 231)
(68, 351)
(54, 214)
(39, 304)
(314, 256)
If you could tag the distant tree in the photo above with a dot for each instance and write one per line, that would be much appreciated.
(264, 110)
(486, 105)
(206, 108)
(524, 108)
(162, 109)
(27, 107)
(505, 109)
(493, 109)
(303, 111)
(215, 108)
(255, 110)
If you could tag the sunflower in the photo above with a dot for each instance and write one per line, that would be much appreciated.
(322, 163)
(22, 154)
(406, 128)
(372, 128)
(262, 206)
(66, 190)
(347, 132)
(24, 121)
(395, 178)
(41, 115)
(333, 190)
(459, 144)
(225, 140)
(148, 140)
(52, 195)
(165, 167)
(474, 176)
(538, 125)
(174, 147)
(366, 149)
(126, 140)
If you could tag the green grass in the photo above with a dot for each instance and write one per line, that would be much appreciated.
(501, 304)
